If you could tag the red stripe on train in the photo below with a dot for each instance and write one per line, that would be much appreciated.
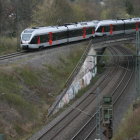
(103, 29)
(137, 26)
(93, 31)
(50, 38)
(84, 32)
(38, 40)
(111, 29)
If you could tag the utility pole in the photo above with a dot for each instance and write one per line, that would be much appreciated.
(137, 64)
(107, 114)
(98, 116)
(17, 26)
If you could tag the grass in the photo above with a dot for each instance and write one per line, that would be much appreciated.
(9, 82)
(7, 45)
(78, 95)
(131, 46)
(24, 94)
(29, 76)
(130, 127)
(61, 72)
(26, 109)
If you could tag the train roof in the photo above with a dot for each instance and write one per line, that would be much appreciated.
(107, 22)
(132, 20)
(83, 24)
(41, 30)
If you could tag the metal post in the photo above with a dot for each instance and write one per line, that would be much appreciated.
(17, 26)
(107, 115)
(137, 64)
(98, 117)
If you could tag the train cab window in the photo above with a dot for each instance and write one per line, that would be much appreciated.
(26, 37)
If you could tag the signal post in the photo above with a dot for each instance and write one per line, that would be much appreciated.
(107, 116)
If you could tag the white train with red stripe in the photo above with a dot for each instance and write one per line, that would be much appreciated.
(40, 37)
(112, 27)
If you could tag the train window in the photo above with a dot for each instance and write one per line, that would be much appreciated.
(60, 35)
(44, 38)
(75, 33)
(89, 30)
(63, 35)
(118, 27)
(78, 32)
(129, 26)
(107, 28)
(99, 29)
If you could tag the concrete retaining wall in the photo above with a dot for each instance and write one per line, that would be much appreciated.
(83, 78)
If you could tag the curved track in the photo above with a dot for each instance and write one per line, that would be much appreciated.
(119, 88)
(58, 130)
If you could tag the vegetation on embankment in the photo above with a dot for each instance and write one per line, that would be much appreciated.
(24, 94)
(130, 126)
(7, 45)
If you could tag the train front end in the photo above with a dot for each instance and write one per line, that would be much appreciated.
(26, 37)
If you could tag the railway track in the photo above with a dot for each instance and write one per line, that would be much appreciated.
(11, 55)
(121, 85)
(58, 130)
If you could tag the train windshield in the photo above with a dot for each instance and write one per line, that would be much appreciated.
(26, 37)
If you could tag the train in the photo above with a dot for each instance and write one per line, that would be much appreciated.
(41, 37)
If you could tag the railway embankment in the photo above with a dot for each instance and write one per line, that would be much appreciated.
(129, 129)
(7, 45)
(25, 84)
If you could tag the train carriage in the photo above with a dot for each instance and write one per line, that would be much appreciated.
(82, 30)
(41, 37)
